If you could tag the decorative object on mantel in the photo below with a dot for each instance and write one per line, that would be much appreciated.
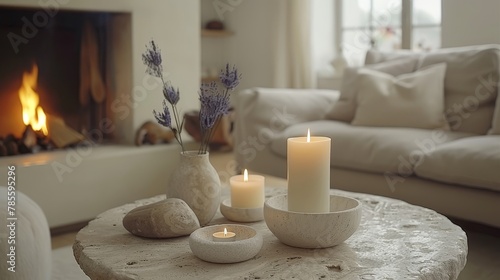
(215, 25)
(153, 133)
(313, 230)
(246, 244)
(195, 180)
(167, 218)
(222, 138)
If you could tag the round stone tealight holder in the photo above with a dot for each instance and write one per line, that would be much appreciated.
(245, 244)
(244, 215)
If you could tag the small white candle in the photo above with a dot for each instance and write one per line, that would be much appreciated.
(247, 191)
(308, 160)
(224, 236)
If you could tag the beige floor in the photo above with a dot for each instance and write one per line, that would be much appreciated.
(483, 261)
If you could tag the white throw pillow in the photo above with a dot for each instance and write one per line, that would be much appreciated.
(344, 109)
(410, 100)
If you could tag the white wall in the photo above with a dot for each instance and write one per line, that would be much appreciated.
(174, 25)
(467, 22)
(251, 47)
(213, 50)
(322, 33)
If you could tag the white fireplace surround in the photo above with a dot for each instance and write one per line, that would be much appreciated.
(75, 185)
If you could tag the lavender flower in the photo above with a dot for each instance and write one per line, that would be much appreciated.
(230, 78)
(152, 59)
(163, 118)
(214, 101)
(208, 89)
(213, 106)
(171, 94)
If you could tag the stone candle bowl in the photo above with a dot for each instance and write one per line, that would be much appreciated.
(313, 230)
(244, 215)
(246, 245)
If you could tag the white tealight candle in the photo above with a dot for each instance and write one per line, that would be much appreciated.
(247, 191)
(308, 161)
(224, 236)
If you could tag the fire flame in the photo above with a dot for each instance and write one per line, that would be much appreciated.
(32, 113)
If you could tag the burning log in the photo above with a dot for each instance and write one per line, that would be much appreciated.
(30, 142)
(3, 149)
(29, 137)
(59, 136)
(10, 143)
(62, 135)
(22, 148)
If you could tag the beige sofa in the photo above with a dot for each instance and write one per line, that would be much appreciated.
(454, 169)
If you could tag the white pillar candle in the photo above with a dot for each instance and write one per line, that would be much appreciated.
(308, 161)
(247, 191)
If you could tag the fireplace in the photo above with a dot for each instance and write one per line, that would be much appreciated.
(55, 68)
(77, 183)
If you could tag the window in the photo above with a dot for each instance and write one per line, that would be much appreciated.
(386, 25)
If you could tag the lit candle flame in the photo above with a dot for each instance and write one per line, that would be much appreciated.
(245, 175)
(308, 135)
(225, 232)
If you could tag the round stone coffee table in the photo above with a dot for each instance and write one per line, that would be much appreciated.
(395, 240)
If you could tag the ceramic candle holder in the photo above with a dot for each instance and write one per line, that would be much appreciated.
(246, 244)
(244, 215)
(313, 230)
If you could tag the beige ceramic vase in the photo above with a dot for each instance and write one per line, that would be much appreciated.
(197, 183)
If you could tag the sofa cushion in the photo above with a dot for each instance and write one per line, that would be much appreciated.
(372, 149)
(471, 84)
(409, 100)
(345, 107)
(472, 161)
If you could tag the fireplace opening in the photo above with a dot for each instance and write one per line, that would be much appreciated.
(63, 61)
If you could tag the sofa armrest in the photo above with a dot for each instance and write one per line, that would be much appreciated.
(262, 113)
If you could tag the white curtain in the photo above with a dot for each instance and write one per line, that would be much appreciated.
(292, 47)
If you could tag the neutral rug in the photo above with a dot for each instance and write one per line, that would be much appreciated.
(64, 266)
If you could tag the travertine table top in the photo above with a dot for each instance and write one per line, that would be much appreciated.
(395, 240)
